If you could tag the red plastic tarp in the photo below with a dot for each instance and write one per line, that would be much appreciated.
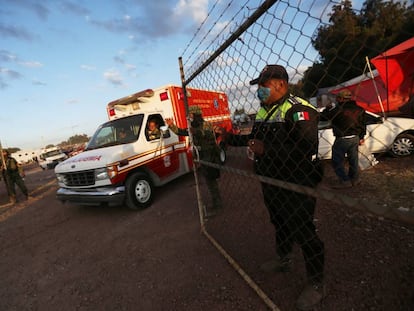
(396, 65)
(393, 80)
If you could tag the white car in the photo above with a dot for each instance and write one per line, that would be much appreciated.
(393, 134)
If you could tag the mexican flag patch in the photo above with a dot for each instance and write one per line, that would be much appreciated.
(301, 116)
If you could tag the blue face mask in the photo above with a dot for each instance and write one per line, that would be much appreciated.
(263, 93)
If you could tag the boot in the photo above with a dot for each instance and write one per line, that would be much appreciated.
(311, 296)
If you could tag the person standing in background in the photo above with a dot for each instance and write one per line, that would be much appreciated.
(349, 129)
(13, 176)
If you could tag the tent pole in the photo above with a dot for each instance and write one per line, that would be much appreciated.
(386, 78)
(375, 86)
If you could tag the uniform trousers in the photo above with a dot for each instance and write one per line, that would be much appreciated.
(292, 215)
(15, 178)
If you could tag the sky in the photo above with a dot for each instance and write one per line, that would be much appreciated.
(61, 62)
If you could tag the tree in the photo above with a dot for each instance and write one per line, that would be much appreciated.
(349, 37)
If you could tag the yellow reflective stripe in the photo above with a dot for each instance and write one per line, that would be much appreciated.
(305, 102)
(281, 110)
(261, 114)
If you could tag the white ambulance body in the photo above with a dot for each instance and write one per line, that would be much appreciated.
(115, 170)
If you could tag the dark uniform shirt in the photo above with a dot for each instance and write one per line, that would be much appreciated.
(204, 140)
(290, 137)
(347, 119)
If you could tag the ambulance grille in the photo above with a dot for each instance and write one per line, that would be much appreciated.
(85, 178)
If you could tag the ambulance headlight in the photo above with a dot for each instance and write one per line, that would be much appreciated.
(60, 178)
(105, 173)
(101, 174)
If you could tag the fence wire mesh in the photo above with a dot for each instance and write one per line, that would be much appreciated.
(366, 229)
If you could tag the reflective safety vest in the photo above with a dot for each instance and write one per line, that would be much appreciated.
(278, 114)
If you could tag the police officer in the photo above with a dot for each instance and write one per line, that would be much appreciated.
(204, 139)
(13, 176)
(284, 139)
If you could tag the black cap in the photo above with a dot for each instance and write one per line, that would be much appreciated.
(271, 72)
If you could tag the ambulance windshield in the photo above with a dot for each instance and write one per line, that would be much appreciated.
(117, 132)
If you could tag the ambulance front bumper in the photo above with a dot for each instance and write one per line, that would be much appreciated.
(96, 196)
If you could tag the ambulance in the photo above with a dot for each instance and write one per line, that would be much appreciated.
(123, 164)
(50, 157)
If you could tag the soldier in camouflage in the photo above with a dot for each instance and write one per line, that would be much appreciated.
(12, 173)
(204, 139)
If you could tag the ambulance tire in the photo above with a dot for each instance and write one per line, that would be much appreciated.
(139, 191)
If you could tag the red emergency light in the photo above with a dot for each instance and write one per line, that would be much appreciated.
(163, 96)
(111, 112)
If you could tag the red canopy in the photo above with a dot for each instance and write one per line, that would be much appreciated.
(368, 93)
(393, 80)
(396, 66)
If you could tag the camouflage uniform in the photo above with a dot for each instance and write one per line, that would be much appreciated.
(205, 141)
(12, 177)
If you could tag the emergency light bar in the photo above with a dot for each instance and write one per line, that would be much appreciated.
(140, 96)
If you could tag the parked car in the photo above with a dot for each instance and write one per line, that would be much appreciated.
(392, 134)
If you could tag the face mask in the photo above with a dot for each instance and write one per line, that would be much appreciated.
(263, 93)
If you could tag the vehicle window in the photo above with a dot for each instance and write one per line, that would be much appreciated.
(152, 129)
(371, 119)
(324, 125)
(116, 132)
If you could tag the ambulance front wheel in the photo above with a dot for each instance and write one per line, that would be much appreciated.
(139, 191)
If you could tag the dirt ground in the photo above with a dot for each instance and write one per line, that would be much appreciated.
(67, 257)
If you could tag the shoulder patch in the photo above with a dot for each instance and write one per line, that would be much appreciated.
(301, 116)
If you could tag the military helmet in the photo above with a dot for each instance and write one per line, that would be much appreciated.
(194, 110)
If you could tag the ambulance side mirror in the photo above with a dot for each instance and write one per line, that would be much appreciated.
(165, 131)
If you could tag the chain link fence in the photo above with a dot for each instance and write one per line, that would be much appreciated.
(367, 242)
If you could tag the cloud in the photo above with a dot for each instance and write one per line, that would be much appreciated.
(119, 59)
(10, 73)
(130, 67)
(6, 56)
(36, 7)
(15, 32)
(156, 19)
(197, 10)
(113, 76)
(7, 74)
(39, 83)
(88, 67)
(72, 101)
(33, 6)
(31, 64)
(75, 8)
